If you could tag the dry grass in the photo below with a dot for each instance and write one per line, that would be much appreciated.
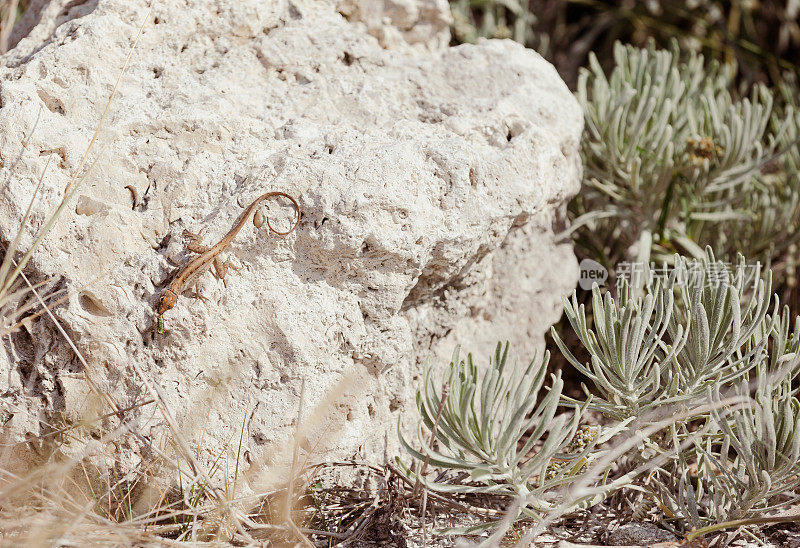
(170, 498)
(10, 12)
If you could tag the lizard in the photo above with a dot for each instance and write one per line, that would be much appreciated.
(210, 255)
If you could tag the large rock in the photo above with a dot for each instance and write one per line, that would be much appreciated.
(430, 178)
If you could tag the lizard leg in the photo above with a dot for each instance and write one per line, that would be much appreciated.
(221, 268)
(195, 244)
(198, 292)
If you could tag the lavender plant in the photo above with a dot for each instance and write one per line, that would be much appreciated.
(670, 339)
(674, 160)
(700, 341)
(747, 464)
(697, 354)
(497, 429)
(668, 152)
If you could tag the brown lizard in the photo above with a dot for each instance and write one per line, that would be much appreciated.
(208, 256)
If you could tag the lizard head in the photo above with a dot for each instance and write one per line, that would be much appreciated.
(167, 301)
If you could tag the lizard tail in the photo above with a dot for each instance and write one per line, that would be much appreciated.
(296, 210)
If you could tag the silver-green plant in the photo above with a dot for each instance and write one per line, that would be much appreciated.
(784, 358)
(700, 341)
(719, 312)
(630, 354)
(764, 436)
(496, 427)
(696, 374)
(746, 465)
(749, 462)
(686, 328)
(772, 202)
(673, 157)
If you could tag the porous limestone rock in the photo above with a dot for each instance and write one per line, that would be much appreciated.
(397, 23)
(431, 180)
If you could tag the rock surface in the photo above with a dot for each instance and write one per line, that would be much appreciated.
(430, 178)
(640, 534)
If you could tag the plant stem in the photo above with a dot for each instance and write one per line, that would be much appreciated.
(739, 523)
